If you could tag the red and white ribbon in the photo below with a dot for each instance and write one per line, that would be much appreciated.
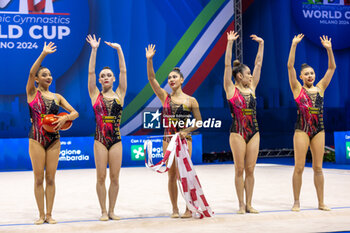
(169, 156)
(188, 181)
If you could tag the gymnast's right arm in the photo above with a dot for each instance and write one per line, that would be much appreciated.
(228, 84)
(93, 90)
(30, 88)
(160, 92)
(293, 81)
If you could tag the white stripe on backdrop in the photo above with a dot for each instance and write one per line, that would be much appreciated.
(190, 61)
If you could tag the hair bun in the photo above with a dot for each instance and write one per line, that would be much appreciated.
(304, 65)
(106, 67)
(177, 69)
(236, 63)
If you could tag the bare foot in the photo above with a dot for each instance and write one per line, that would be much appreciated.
(251, 210)
(324, 207)
(175, 214)
(112, 216)
(40, 221)
(296, 206)
(50, 220)
(241, 209)
(104, 217)
(187, 214)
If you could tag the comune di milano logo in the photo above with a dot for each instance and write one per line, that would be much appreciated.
(24, 27)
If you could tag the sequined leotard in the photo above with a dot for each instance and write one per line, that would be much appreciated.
(107, 115)
(38, 108)
(310, 112)
(243, 112)
(173, 112)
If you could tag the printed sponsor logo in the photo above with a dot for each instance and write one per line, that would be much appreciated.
(151, 120)
(137, 153)
(73, 155)
(176, 123)
(157, 152)
(68, 154)
(347, 150)
(26, 24)
(323, 17)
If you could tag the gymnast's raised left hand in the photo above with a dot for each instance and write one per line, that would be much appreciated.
(113, 45)
(93, 41)
(257, 39)
(326, 42)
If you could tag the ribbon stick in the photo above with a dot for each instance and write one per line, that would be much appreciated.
(169, 156)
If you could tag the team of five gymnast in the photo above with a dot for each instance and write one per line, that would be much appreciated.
(44, 147)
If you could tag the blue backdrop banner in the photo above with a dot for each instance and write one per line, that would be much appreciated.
(316, 18)
(78, 152)
(187, 34)
(24, 29)
(342, 147)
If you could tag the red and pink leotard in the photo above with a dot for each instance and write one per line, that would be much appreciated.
(38, 108)
(174, 112)
(310, 112)
(107, 115)
(243, 112)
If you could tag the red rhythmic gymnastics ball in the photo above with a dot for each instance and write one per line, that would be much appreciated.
(67, 124)
(48, 123)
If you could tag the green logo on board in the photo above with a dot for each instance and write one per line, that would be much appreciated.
(137, 153)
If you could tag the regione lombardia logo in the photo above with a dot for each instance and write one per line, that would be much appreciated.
(137, 152)
(27, 24)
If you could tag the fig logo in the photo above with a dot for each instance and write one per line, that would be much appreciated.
(313, 2)
(36, 5)
(327, 2)
(333, 2)
(30, 6)
(4, 3)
